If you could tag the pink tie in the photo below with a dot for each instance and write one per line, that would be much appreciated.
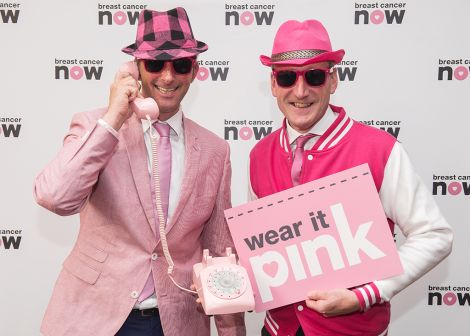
(298, 157)
(164, 168)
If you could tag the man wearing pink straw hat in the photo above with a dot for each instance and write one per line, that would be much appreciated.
(115, 280)
(318, 139)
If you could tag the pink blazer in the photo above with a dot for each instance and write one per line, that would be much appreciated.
(107, 181)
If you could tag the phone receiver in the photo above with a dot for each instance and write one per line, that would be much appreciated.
(142, 107)
(223, 285)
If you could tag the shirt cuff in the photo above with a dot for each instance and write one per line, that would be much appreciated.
(111, 130)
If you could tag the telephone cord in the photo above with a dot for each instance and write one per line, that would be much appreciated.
(161, 219)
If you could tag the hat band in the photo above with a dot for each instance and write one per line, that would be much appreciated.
(296, 54)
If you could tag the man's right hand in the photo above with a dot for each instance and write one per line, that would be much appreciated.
(123, 90)
(333, 302)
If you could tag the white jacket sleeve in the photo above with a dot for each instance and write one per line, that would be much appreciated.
(409, 204)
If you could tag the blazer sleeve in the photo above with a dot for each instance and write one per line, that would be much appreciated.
(216, 237)
(65, 184)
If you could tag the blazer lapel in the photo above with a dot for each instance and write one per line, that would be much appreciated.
(191, 168)
(137, 153)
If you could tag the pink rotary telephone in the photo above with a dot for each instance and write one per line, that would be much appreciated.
(223, 285)
(142, 107)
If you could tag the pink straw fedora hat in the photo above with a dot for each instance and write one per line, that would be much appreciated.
(301, 43)
(164, 36)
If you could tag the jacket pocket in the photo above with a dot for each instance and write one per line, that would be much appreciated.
(86, 262)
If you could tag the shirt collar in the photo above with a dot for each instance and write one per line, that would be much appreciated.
(175, 122)
(319, 128)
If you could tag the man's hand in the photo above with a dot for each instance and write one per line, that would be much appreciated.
(333, 302)
(193, 288)
(198, 300)
(123, 90)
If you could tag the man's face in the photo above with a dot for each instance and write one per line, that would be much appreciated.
(304, 105)
(166, 86)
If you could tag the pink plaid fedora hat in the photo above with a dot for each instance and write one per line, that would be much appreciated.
(301, 43)
(164, 36)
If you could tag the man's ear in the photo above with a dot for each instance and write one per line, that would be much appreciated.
(274, 86)
(137, 63)
(334, 81)
(195, 70)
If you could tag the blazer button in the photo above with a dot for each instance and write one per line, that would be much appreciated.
(300, 307)
(154, 256)
(134, 294)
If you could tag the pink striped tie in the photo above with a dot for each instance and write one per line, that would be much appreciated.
(164, 167)
(298, 157)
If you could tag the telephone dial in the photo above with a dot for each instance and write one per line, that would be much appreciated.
(142, 107)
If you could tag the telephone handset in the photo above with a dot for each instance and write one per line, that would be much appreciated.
(144, 108)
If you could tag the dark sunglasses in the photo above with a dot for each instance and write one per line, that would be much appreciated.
(181, 66)
(313, 77)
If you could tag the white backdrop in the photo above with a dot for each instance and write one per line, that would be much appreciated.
(399, 64)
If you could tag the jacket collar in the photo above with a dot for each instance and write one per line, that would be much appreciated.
(331, 130)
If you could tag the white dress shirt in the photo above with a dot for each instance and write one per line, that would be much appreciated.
(177, 156)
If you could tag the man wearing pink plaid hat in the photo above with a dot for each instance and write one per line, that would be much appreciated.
(116, 279)
(318, 139)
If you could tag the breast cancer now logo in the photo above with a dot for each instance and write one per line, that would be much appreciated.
(9, 13)
(452, 185)
(10, 127)
(10, 239)
(392, 127)
(249, 14)
(78, 69)
(247, 129)
(119, 14)
(378, 13)
(449, 295)
(347, 70)
(213, 70)
(450, 69)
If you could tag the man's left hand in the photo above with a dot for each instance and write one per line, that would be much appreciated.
(333, 302)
